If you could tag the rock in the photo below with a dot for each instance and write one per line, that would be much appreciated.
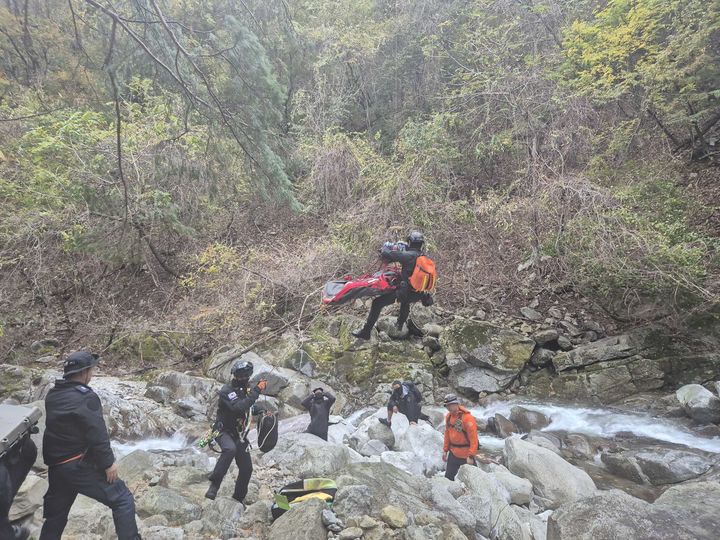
(44, 346)
(473, 380)
(434, 330)
(219, 516)
(672, 466)
(447, 505)
(29, 497)
(544, 440)
(351, 533)
(394, 516)
(353, 500)
(689, 504)
(534, 525)
(552, 477)
(543, 337)
(519, 489)
(542, 358)
(372, 448)
(133, 467)
(577, 446)
(489, 503)
(301, 522)
(504, 427)
(530, 313)
(329, 518)
(405, 461)
(611, 515)
(24, 384)
(564, 343)
(302, 362)
(387, 325)
(699, 403)
(555, 313)
(89, 517)
(158, 393)
(170, 503)
(307, 456)
(163, 533)
(381, 432)
(425, 443)
(527, 420)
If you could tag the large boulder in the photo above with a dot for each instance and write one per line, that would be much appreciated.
(527, 419)
(692, 503)
(444, 501)
(656, 466)
(614, 514)
(519, 489)
(553, 478)
(490, 504)
(302, 522)
(306, 456)
(24, 384)
(405, 461)
(699, 403)
(425, 443)
(483, 357)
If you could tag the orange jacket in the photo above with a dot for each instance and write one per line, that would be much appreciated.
(461, 434)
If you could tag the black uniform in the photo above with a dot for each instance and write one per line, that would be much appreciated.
(76, 448)
(405, 294)
(14, 467)
(407, 400)
(233, 422)
(319, 409)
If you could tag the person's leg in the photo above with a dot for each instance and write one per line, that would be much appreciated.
(92, 483)
(58, 500)
(412, 410)
(407, 298)
(5, 501)
(227, 445)
(453, 465)
(245, 469)
(376, 307)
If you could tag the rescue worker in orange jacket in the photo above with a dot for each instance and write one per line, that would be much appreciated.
(461, 438)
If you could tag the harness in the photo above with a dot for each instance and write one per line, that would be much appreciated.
(458, 426)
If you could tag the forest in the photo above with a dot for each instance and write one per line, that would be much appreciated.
(203, 167)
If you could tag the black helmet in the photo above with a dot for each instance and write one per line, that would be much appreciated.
(242, 370)
(415, 239)
(79, 361)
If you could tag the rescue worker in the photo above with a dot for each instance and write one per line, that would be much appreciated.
(233, 422)
(15, 464)
(318, 405)
(76, 449)
(461, 440)
(404, 293)
(405, 398)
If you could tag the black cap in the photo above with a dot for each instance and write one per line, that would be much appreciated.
(396, 382)
(79, 361)
(318, 388)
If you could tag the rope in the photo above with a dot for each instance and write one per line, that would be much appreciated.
(260, 444)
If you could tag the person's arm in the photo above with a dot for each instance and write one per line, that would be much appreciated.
(238, 404)
(330, 400)
(446, 439)
(307, 401)
(96, 434)
(470, 427)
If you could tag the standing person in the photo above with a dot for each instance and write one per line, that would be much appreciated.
(405, 398)
(319, 404)
(414, 285)
(461, 440)
(15, 464)
(233, 422)
(76, 449)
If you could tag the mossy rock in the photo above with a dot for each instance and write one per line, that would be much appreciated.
(482, 344)
(16, 382)
(148, 346)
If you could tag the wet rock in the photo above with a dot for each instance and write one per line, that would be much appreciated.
(613, 514)
(527, 420)
(577, 446)
(531, 314)
(699, 403)
(504, 427)
(552, 477)
(301, 522)
(672, 466)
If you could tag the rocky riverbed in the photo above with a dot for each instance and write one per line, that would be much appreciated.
(633, 460)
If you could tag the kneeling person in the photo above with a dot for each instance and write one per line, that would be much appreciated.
(76, 449)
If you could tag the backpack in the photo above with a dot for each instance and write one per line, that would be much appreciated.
(267, 431)
(413, 389)
(302, 490)
(424, 276)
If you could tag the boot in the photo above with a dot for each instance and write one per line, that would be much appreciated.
(211, 493)
(237, 498)
(362, 334)
(385, 422)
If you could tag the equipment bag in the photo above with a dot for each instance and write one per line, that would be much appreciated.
(267, 431)
(424, 276)
(302, 490)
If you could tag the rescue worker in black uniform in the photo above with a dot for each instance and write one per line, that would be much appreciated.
(404, 293)
(233, 422)
(318, 405)
(76, 449)
(15, 464)
(405, 398)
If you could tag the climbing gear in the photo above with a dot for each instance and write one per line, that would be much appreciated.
(267, 431)
(424, 275)
(208, 438)
(346, 289)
